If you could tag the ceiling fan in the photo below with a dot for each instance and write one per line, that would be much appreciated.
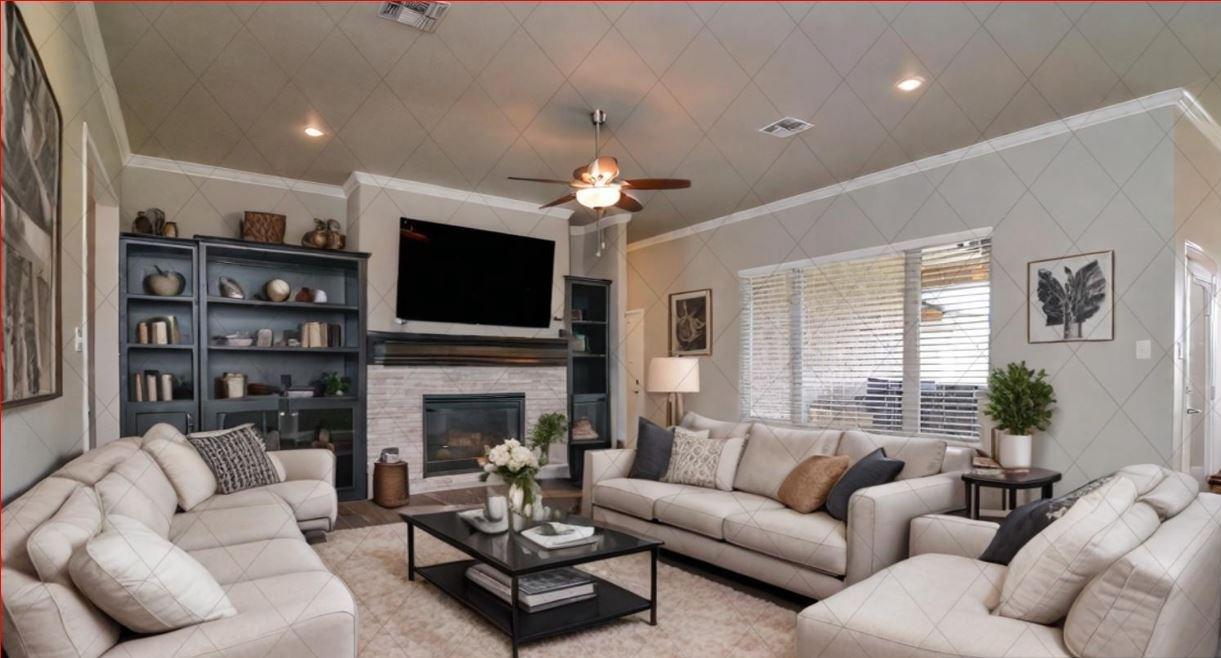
(597, 185)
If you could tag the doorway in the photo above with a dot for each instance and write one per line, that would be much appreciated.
(1201, 455)
(633, 331)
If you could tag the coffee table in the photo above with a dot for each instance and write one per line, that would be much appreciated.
(515, 556)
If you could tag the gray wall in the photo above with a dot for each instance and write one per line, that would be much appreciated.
(39, 437)
(1108, 186)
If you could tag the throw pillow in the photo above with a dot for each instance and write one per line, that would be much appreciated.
(189, 474)
(805, 488)
(871, 470)
(695, 460)
(727, 468)
(1023, 523)
(144, 582)
(1048, 573)
(236, 457)
(653, 446)
(51, 546)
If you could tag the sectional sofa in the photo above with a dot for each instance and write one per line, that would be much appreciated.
(287, 602)
(746, 530)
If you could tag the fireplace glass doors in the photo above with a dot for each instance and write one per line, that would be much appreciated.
(458, 429)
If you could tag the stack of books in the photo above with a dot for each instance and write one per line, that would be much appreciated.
(536, 592)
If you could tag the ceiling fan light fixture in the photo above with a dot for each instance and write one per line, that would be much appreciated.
(598, 197)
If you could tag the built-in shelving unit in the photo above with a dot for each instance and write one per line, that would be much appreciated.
(587, 318)
(202, 358)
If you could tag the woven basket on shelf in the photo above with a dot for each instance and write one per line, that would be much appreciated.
(263, 227)
(390, 486)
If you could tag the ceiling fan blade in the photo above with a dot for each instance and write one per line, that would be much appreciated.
(560, 201)
(539, 180)
(629, 203)
(657, 183)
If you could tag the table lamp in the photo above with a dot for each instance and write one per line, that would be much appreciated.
(673, 375)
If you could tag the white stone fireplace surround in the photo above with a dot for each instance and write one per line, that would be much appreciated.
(397, 384)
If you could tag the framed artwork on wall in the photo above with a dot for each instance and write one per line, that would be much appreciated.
(691, 323)
(1071, 298)
(32, 152)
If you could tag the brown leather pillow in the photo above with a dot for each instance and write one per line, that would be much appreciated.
(805, 488)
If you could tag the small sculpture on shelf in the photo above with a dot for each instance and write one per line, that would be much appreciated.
(277, 290)
(230, 288)
(151, 222)
(326, 235)
(164, 283)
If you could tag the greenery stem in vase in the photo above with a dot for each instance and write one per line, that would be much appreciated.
(1020, 401)
(550, 428)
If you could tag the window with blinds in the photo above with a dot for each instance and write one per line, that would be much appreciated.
(894, 343)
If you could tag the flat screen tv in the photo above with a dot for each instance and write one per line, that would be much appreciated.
(471, 276)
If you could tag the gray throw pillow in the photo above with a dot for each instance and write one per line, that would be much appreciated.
(870, 471)
(653, 446)
(1023, 523)
(237, 458)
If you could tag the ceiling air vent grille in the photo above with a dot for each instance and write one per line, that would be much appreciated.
(420, 15)
(786, 127)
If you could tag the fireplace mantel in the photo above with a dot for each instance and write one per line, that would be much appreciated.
(409, 349)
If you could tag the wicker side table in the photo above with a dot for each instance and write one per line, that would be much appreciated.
(390, 486)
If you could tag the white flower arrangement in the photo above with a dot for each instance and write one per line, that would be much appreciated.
(510, 456)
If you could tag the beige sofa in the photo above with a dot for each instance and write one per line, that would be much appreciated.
(1162, 598)
(748, 531)
(288, 603)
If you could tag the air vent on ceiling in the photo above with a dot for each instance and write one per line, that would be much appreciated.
(786, 127)
(421, 15)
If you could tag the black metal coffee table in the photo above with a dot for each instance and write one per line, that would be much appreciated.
(516, 556)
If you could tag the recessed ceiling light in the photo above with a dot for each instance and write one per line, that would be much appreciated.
(910, 84)
(314, 132)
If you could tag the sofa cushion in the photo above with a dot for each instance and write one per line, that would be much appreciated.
(1023, 523)
(187, 472)
(137, 488)
(1172, 495)
(52, 544)
(1052, 568)
(53, 619)
(805, 488)
(94, 464)
(237, 457)
(227, 526)
(705, 510)
(921, 457)
(928, 605)
(717, 429)
(654, 444)
(144, 582)
(309, 499)
(772, 451)
(870, 471)
(814, 540)
(635, 497)
(258, 559)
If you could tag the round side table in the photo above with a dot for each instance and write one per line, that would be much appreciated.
(390, 485)
(1010, 481)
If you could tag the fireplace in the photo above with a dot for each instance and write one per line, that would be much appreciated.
(458, 429)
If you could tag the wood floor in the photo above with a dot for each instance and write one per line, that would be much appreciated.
(561, 494)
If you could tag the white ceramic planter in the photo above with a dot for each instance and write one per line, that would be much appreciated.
(1015, 450)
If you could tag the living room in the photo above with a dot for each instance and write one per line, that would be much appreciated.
(817, 329)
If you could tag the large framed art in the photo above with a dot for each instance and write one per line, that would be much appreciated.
(691, 323)
(1071, 298)
(32, 152)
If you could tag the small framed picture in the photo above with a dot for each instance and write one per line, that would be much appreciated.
(1071, 298)
(691, 323)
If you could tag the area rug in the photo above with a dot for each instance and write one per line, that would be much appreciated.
(697, 617)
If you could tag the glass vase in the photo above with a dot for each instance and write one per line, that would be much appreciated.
(525, 501)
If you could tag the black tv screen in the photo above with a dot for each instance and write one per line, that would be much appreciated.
(471, 276)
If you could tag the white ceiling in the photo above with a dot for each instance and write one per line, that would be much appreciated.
(505, 89)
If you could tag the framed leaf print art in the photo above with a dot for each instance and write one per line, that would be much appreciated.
(1071, 298)
(33, 359)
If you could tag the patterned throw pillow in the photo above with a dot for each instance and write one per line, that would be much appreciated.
(237, 458)
(695, 459)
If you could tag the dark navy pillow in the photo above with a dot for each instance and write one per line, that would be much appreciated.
(872, 469)
(653, 446)
(1023, 523)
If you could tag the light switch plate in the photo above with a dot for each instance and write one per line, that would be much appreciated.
(1144, 350)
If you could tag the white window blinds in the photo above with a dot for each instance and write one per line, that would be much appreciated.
(852, 343)
(894, 343)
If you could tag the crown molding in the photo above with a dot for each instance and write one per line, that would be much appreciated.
(606, 222)
(415, 187)
(233, 175)
(1179, 98)
(95, 48)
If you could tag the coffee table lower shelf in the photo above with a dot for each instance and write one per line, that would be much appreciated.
(609, 603)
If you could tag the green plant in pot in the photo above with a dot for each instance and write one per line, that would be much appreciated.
(1020, 401)
(335, 385)
(548, 429)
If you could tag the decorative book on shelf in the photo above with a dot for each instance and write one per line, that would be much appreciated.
(536, 592)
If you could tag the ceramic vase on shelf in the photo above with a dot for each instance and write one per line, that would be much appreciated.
(1015, 450)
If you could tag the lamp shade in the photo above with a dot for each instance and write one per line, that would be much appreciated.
(674, 374)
